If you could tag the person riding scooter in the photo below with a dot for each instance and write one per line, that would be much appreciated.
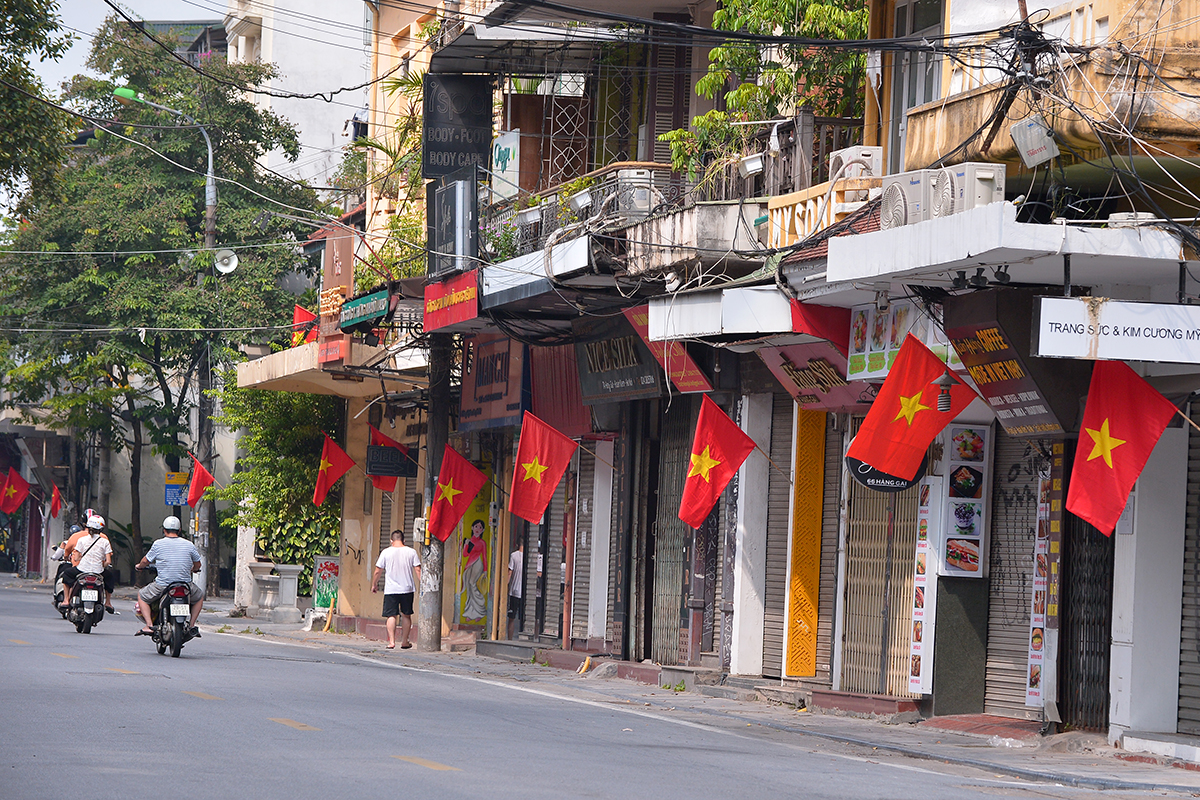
(90, 554)
(175, 559)
(60, 554)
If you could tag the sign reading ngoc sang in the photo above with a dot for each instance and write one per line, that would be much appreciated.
(1099, 328)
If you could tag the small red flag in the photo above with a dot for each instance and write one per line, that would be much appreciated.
(16, 489)
(457, 485)
(904, 418)
(304, 325)
(201, 480)
(385, 483)
(334, 464)
(1123, 420)
(542, 457)
(55, 501)
(718, 451)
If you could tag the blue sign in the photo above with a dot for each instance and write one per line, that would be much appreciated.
(176, 489)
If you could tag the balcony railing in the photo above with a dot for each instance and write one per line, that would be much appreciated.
(614, 196)
(794, 217)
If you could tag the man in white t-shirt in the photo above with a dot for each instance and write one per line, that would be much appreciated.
(516, 605)
(402, 567)
(91, 555)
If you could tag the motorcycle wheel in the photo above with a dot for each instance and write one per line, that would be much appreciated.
(176, 639)
(85, 624)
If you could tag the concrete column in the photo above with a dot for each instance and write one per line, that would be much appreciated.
(285, 609)
(750, 559)
(243, 580)
(1148, 595)
(360, 538)
(601, 542)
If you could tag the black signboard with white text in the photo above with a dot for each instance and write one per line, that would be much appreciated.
(615, 365)
(881, 481)
(456, 127)
(391, 462)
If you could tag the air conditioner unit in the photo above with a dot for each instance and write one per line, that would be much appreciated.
(966, 186)
(907, 198)
(872, 155)
(634, 191)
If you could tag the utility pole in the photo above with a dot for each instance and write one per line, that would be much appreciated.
(429, 618)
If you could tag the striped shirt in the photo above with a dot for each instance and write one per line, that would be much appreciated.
(173, 557)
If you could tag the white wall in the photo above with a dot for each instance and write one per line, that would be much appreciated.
(1147, 596)
(750, 556)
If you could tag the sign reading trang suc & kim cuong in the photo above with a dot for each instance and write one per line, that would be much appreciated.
(1099, 328)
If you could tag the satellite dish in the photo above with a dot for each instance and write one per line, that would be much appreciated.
(226, 261)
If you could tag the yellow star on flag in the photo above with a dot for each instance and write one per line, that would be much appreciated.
(702, 464)
(324, 465)
(909, 406)
(1103, 443)
(534, 470)
(9, 491)
(447, 491)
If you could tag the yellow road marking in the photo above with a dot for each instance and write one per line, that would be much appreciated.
(63, 655)
(122, 671)
(291, 723)
(204, 696)
(424, 762)
(18, 641)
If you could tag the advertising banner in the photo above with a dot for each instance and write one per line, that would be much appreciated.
(451, 301)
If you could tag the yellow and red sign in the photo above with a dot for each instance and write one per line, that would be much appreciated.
(675, 361)
(453, 300)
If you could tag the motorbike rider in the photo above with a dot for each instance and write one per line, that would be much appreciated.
(60, 554)
(176, 559)
(90, 554)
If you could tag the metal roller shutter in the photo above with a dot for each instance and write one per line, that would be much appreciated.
(1189, 635)
(672, 533)
(583, 545)
(385, 520)
(830, 519)
(1013, 538)
(779, 517)
(616, 535)
(555, 519)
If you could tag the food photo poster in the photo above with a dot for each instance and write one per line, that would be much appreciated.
(968, 471)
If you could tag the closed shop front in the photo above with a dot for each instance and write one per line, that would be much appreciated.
(779, 495)
(671, 534)
(1189, 634)
(1011, 564)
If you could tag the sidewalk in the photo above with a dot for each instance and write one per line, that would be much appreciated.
(988, 744)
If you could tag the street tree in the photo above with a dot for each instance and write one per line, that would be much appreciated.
(118, 306)
(31, 148)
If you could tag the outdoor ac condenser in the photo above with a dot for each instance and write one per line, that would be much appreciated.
(966, 186)
(907, 198)
(872, 155)
(634, 190)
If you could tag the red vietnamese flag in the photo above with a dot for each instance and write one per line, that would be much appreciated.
(904, 418)
(201, 480)
(15, 490)
(304, 325)
(1122, 422)
(385, 483)
(457, 485)
(542, 457)
(55, 501)
(334, 464)
(718, 451)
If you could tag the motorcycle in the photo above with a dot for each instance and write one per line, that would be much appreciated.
(172, 614)
(60, 591)
(87, 608)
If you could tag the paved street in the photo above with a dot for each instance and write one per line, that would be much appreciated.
(243, 716)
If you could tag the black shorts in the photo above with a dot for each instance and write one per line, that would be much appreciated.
(70, 573)
(110, 579)
(396, 604)
(516, 608)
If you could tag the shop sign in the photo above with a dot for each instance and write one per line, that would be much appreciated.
(365, 312)
(333, 349)
(495, 385)
(925, 570)
(390, 462)
(456, 124)
(506, 165)
(672, 356)
(614, 363)
(1040, 595)
(1099, 328)
(968, 475)
(876, 335)
(881, 481)
(452, 301)
(814, 375)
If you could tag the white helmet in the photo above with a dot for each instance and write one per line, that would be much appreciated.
(95, 522)
(171, 523)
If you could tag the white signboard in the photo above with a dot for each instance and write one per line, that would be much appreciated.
(1116, 330)
(877, 334)
(506, 164)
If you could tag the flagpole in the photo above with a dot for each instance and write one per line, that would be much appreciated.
(773, 464)
(214, 477)
(593, 454)
(1186, 417)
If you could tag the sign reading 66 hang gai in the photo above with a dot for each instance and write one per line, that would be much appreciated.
(1100, 328)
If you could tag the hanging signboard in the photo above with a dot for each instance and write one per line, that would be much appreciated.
(506, 165)
(674, 359)
(1114, 330)
(814, 374)
(495, 385)
(361, 314)
(881, 481)
(388, 461)
(456, 129)
(876, 335)
(614, 363)
(452, 301)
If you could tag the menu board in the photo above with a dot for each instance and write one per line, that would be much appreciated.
(1041, 586)
(876, 336)
(925, 570)
(968, 470)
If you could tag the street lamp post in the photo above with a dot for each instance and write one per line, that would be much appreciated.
(126, 96)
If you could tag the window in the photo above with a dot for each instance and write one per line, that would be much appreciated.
(916, 77)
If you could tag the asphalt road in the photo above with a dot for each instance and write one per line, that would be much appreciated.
(104, 716)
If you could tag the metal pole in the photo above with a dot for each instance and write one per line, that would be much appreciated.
(1066, 274)
(429, 615)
